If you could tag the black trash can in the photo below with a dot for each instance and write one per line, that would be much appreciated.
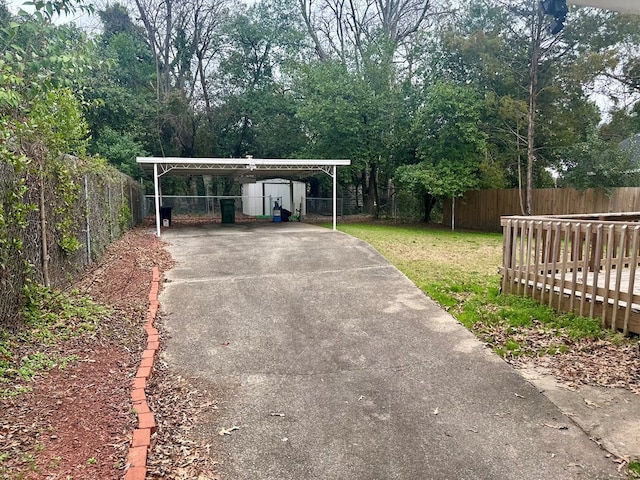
(165, 214)
(285, 215)
(228, 210)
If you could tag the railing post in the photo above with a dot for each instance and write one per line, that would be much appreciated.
(632, 279)
(556, 257)
(607, 272)
(597, 255)
(507, 260)
(619, 267)
(565, 255)
(546, 274)
(574, 264)
(536, 258)
(585, 249)
(530, 227)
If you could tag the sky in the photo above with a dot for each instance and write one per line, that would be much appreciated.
(81, 19)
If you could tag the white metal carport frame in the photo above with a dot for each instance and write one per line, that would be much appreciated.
(237, 168)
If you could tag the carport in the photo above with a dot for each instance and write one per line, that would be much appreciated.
(248, 168)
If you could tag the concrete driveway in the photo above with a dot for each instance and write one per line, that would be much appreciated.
(335, 366)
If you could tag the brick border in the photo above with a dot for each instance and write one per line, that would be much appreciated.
(141, 441)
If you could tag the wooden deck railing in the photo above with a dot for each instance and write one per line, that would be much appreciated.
(581, 263)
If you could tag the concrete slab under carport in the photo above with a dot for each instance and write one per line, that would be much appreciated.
(334, 365)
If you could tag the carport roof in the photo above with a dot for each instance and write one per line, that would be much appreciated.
(238, 167)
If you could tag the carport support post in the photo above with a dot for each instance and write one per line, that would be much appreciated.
(453, 213)
(335, 203)
(156, 197)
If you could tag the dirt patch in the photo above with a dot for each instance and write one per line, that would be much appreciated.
(75, 423)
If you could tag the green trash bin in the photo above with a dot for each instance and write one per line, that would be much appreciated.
(228, 209)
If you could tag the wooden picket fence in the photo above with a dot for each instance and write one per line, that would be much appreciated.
(581, 263)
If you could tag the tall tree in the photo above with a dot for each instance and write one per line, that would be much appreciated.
(120, 94)
(450, 144)
(371, 40)
(539, 83)
(256, 109)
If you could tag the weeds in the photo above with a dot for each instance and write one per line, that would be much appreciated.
(49, 317)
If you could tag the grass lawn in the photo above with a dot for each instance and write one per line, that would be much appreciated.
(459, 270)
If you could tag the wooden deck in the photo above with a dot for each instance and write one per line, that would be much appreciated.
(574, 264)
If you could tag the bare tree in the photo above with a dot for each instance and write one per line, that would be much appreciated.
(402, 18)
(344, 28)
(182, 35)
(157, 19)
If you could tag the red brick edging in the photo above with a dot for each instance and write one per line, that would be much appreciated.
(137, 457)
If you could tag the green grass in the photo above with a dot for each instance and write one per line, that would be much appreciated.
(49, 318)
(634, 469)
(459, 270)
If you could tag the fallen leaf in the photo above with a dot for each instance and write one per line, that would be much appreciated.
(590, 403)
(227, 431)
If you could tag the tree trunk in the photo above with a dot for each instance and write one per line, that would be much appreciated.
(193, 186)
(167, 45)
(205, 92)
(370, 203)
(536, 34)
(305, 9)
(237, 151)
(43, 235)
(429, 203)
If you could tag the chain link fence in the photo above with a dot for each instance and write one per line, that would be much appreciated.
(251, 206)
(48, 236)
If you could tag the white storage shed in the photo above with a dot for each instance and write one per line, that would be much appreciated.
(258, 198)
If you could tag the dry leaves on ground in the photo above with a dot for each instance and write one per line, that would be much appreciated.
(177, 453)
(596, 362)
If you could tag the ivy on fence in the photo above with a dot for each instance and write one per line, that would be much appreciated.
(55, 221)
